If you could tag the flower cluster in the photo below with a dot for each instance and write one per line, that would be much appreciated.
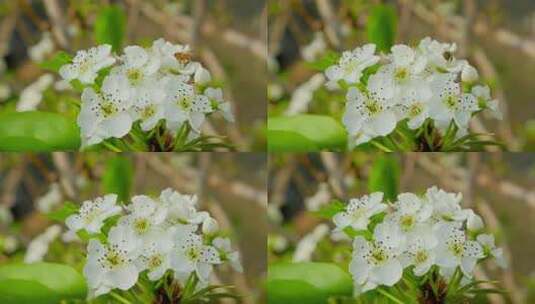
(414, 233)
(408, 84)
(152, 236)
(145, 85)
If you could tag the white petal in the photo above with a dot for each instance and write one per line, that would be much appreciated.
(135, 56)
(387, 274)
(359, 269)
(384, 123)
(68, 72)
(125, 277)
(118, 126)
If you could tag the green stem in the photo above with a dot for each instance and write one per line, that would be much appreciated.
(388, 295)
(119, 298)
(380, 146)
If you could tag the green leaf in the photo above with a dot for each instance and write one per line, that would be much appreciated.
(330, 210)
(287, 141)
(330, 58)
(384, 176)
(41, 283)
(63, 213)
(118, 177)
(306, 283)
(37, 132)
(110, 27)
(381, 26)
(320, 132)
(60, 59)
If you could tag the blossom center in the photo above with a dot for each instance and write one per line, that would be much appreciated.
(373, 107)
(113, 259)
(401, 74)
(148, 111)
(134, 76)
(155, 261)
(141, 225)
(108, 108)
(421, 256)
(407, 222)
(185, 103)
(415, 109)
(378, 255)
(451, 102)
(457, 249)
(193, 254)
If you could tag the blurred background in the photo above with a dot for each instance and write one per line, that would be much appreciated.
(231, 186)
(227, 36)
(496, 36)
(499, 187)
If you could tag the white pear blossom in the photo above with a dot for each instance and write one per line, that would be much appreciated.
(219, 104)
(419, 252)
(414, 104)
(405, 67)
(485, 101)
(137, 66)
(112, 265)
(156, 254)
(182, 209)
(92, 214)
(450, 103)
(455, 250)
(370, 114)
(191, 255)
(223, 245)
(489, 249)
(32, 95)
(446, 206)
(183, 104)
(145, 86)
(148, 106)
(152, 237)
(411, 212)
(144, 217)
(416, 85)
(415, 235)
(87, 63)
(376, 262)
(105, 114)
(359, 211)
(351, 65)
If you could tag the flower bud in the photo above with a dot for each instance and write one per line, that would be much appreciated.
(474, 221)
(469, 74)
(202, 76)
(210, 226)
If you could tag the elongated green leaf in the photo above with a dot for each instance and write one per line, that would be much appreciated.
(381, 26)
(110, 27)
(118, 177)
(286, 141)
(63, 213)
(330, 210)
(384, 176)
(330, 58)
(306, 283)
(54, 64)
(38, 132)
(323, 132)
(40, 283)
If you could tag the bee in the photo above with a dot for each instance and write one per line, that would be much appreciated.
(183, 57)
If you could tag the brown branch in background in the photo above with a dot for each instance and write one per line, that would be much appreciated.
(7, 26)
(59, 25)
(11, 182)
(67, 176)
(336, 178)
(199, 11)
(330, 22)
